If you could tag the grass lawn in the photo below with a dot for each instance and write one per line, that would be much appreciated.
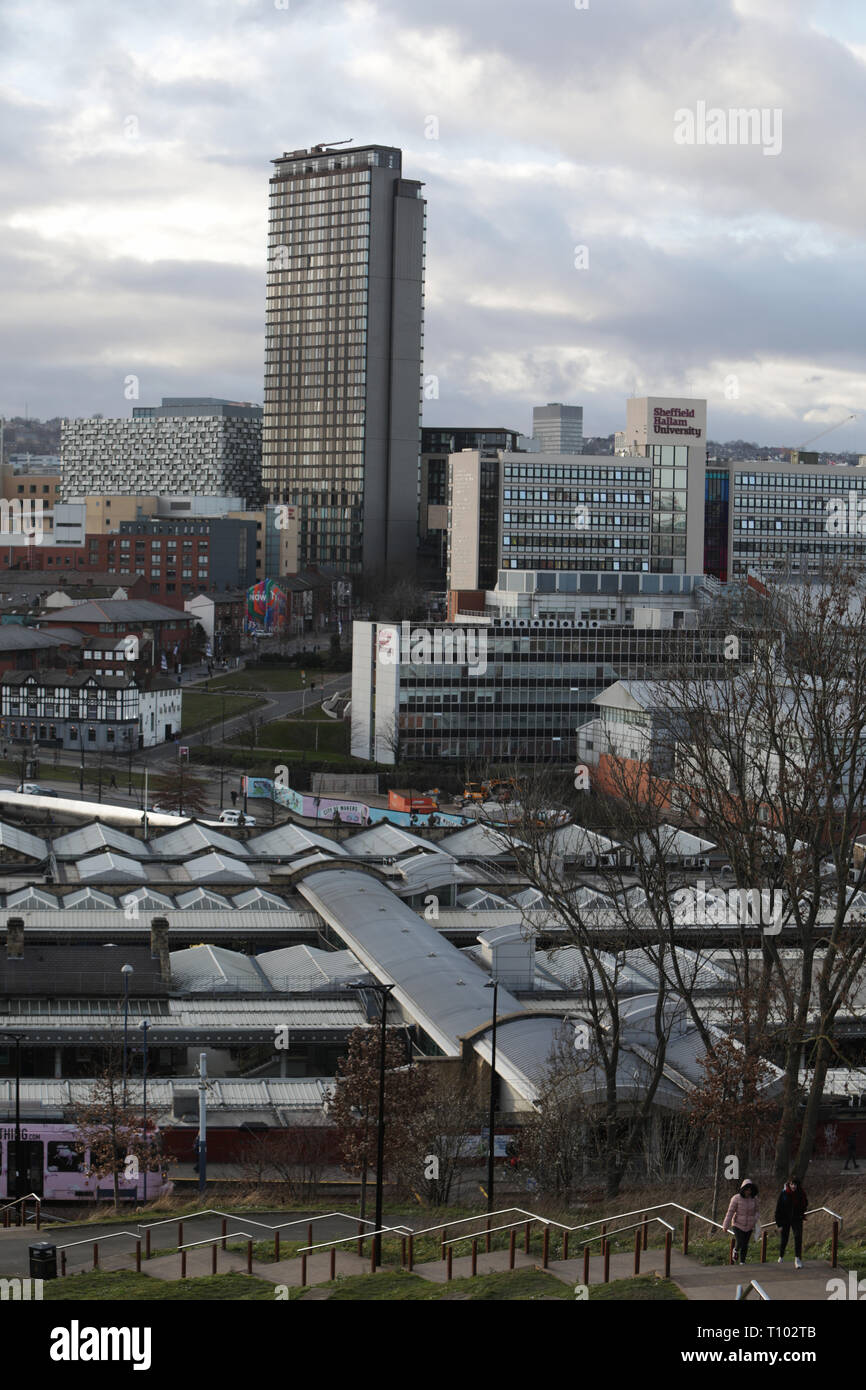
(200, 710)
(281, 678)
(642, 1288)
(300, 735)
(126, 1286)
(520, 1285)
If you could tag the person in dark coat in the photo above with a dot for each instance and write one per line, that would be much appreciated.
(790, 1211)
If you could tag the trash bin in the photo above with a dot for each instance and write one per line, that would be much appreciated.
(43, 1260)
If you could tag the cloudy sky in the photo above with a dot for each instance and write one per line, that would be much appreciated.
(578, 250)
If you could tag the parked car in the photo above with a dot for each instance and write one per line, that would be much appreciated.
(34, 789)
(234, 817)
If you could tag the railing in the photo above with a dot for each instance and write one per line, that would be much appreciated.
(767, 1226)
(22, 1214)
(113, 1235)
(360, 1236)
(752, 1287)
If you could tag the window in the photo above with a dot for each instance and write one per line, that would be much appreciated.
(91, 735)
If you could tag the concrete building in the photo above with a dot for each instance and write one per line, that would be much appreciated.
(437, 445)
(518, 682)
(640, 511)
(558, 428)
(200, 445)
(343, 354)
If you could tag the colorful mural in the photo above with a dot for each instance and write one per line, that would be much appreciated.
(266, 607)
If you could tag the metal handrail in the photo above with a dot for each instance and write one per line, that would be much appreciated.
(94, 1240)
(30, 1195)
(743, 1293)
(811, 1211)
(212, 1211)
(606, 1235)
(368, 1235)
(211, 1240)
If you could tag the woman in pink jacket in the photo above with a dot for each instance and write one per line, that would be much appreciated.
(743, 1218)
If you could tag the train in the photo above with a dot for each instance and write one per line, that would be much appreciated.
(56, 1170)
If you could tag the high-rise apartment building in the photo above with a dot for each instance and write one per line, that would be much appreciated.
(343, 354)
(558, 428)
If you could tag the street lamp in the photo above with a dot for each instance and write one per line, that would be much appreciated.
(126, 971)
(494, 985)
(144, 1025)
(383, 992)
(17, 1038)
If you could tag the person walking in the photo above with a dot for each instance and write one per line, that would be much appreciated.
(791, 1209)
(852, 1151)
(743, 1218)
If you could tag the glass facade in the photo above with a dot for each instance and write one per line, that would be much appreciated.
(800, 520)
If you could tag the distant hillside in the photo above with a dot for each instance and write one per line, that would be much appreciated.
(22, 436)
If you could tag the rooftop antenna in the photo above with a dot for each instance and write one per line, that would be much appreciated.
(326, 144)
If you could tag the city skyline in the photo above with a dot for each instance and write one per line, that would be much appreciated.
(135, 217)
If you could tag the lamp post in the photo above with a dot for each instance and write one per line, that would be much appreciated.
(494, 985)
(144, 1025)
(383, 991)
(126, 971)
(16, 1038)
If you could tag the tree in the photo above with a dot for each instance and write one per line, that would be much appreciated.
(355, 1103)
(110, 1130)
(297, 1155)
(448, 1122)
(181, 790)
(731, 1106)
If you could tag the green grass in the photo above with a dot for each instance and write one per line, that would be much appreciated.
(300, 735)
(640, 1288)
(281, 678)
(390, 1285)
(126, 1286)
(200, 710)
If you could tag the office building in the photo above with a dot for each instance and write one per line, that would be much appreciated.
(437, 445)
(194, 445)
(343, 354)
(558, 428)
(526, 669)
(641, 510)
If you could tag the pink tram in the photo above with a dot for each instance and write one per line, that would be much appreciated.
(55, 1171)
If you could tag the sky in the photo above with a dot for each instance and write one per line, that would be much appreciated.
(583, 243)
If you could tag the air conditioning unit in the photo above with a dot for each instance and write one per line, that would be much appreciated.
(580, 624)
(537, 622)
(551, 622)
(567, 624)
(507, 622)
(521, 622)
(595, 624)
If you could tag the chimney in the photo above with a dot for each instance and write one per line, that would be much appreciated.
(159, 947)
(15, 938)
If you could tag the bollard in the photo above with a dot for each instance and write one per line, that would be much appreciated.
(225, 1228)
(183, 1264)
(637, 1247)
(834, 1245)
(95, 1255)
(411, 1251)
(511, 1243)
(645, 1231)
(180, 1233)
(565, 1245)
(586, 1265)
(147, 1244)
(545, 1248)
(138, 1256)
(213, 1257)
(333, 1261)
(475, 1257)
(276, 1246)
(249, 1257)
(764, 1235)
(606, 1261)
(303, 1271)
(686, 1234)
(526, 1237)
(63, 1263)
(449, 1263)
(667, 1254)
